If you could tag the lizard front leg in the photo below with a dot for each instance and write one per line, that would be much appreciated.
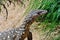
(29, 36)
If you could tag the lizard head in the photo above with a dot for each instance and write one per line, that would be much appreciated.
(41, 12)
(38, 12)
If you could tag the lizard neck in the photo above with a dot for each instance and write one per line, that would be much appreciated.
(29, 19)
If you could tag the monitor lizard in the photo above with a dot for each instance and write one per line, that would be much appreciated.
(22, 32)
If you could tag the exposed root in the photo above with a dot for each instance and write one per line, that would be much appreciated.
(11, 2)
(5, 9)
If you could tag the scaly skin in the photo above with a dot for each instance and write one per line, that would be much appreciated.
(22, 32)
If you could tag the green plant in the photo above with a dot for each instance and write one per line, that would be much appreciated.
(53, 8)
